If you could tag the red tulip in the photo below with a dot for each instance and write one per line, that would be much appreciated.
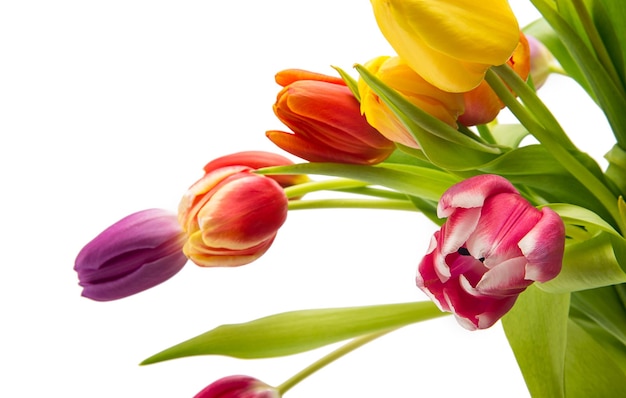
(231, 216)
(326, 121)
(493, 245)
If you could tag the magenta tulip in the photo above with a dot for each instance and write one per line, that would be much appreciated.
(136, 253)
(238, 387)
(493, 245)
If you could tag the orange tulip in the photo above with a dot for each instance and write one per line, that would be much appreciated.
(325, 119)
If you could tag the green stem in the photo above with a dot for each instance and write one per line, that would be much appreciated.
(376, 192)
(485, 132)
(328, 185)
(405, 205)
(544, 132)
(596, 41)
(322, 362)
(531, 100)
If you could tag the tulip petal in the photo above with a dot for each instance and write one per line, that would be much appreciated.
(505, 219)
(233, 217)
(505, 279)
(142, 278)
(543, 246)
(449, 43)
(472, 192)
(132, 255)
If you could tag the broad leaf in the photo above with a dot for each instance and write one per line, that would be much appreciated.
(298, 331)
(536, 328)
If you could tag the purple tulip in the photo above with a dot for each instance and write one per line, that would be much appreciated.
(493, 245)
(134, 254)
(238, 387)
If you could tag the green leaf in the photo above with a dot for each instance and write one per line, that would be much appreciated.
(509, 135)
(443, 145)
(532, 166)
(423, 182)
(298, 331)
(609, 17)
(590, 370)
(536, 328)
(604, 307)
(610, 96)
(581, 217)
(616, 172)
(350, 82)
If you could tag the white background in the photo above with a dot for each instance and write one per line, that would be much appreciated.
(107, 108)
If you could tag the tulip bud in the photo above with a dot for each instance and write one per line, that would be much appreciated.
(324, 116)
(542, 62)
(231, 216)
(395, 73)
(482, 104)
(238, 387)
(134, 254)
(493, 245)
(450, 43)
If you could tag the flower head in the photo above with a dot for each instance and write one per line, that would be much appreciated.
(450, 43)
(493, 245)
(238, 387)
(134, 254)
(542, 62)
(396, 73)
(231, 216)
(325, 119)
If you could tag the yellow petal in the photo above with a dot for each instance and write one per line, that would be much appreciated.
(449, 43)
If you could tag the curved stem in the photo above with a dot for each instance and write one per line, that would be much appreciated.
(352, 204)
(531, 100)
(338, 353)
(324, 185)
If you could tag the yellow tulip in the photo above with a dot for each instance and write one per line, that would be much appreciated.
(450, 43)
(395, 73)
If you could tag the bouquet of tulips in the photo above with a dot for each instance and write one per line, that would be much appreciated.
(531, 228)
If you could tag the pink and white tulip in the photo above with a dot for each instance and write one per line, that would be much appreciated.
(493, 245)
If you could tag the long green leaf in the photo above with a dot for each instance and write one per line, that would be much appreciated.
(590, 370)
(536, 328)
(611, 97)
(298, 331)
